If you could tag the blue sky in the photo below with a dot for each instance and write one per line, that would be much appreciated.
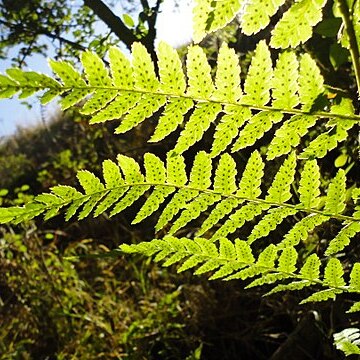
(173, 26)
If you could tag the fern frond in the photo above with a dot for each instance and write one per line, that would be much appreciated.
(131, 92)
(348, 341)
(235, 260)
(295, 27)
(190, 197)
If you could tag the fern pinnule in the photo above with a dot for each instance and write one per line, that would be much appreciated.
(295, 26)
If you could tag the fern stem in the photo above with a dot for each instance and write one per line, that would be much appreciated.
(354, 49)
(320, 114)
(297, 207)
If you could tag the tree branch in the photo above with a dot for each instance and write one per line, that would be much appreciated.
(42, 31)
(114, 23)
(353, 48)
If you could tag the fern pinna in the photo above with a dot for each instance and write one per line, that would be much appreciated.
(287, 96)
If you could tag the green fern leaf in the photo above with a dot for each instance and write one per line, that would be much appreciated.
(287, 260)
(29, 82)
(355, 278)
(71, 79)
(224, 181)
(322, 295)
(89, 182)
(143, 69)
(249, 186)
(67, 74)
(247, 213)
(295, 27)
(256, 128)
(171, 118)
(111, 174)
(267, 279)
(227, 249)
(200, 120)
(285, 82)
(172, 77)
(311, 83)
(319, 146)
(289, 134)
(227, 78)
(347, 341)
(244, 252)
(8, 87)
(265, 261)
(325, 142)
(209, 16)
(309, 189)
(209, 265)
(194, 209)
(296, 285)
(200, 176)
(301, 230)
(195, 259)
(116, 109)
(92, 187)
(342, 239)
(132, 174)
(155, 174)
(113, 181)
(259, 78)
(145, 107)
(311, 268)
(54, 202)
(257, 15)
(221, 209)
(18, 214)
(269, 222)
(200, 84)
(120, 68)
(67, 193)
(207, 248)
(354, 308)
(334, 273)
(201, 13)
(336, 194)
(95, 70)
(175, 170)
(228, 127)
(190, 263)
(279, 190)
